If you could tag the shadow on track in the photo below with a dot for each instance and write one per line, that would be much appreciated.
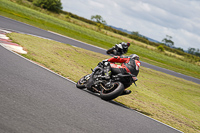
(118, 104)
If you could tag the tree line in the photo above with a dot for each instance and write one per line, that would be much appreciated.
(51, 5)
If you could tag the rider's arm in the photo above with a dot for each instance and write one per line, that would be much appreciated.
(118, 59)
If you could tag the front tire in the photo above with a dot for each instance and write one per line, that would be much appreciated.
(110, 51)
(112, 93)
(81, 84)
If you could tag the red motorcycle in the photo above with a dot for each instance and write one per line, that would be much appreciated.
(108, 89)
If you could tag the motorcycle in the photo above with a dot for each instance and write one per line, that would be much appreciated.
(116, 50)
(108, 89)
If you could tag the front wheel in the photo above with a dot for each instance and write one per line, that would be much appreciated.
(81, 84)
(111, 93)
(110, 51)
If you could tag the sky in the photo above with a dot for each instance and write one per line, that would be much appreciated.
(155, 19)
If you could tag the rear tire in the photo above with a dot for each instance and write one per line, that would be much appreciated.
(113, 93)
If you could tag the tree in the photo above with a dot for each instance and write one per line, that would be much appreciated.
(197, 53)
(161, 48)
(167, 41)
(99, 20)
(51, 5)
(135, 33)
(68, 16)
(180, 49)
(191, 50)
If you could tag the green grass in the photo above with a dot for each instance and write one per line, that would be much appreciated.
(153, 57)
(48, 21)
(169, 99)
(61, 58)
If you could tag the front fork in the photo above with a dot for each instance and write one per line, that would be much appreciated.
(91, 81)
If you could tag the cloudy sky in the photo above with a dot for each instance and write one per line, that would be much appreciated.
(179, 19)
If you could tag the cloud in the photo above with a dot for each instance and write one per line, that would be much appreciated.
(95, 4)
(152, 18)
(189, 39)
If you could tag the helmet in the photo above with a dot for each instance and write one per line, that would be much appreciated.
(123, 43)
(128, 43)
(134, 56)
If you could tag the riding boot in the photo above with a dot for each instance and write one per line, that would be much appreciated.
(126, 92)
(107, 70)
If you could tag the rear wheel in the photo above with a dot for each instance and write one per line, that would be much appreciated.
(81, 84)
(112, 92)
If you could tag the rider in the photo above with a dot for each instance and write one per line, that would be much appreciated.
(121, 48)
(130, 64)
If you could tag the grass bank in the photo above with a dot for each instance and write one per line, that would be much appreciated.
(60, 24)
(169, 99)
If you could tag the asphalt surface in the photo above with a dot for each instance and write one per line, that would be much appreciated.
(35, 100)
(16, 26)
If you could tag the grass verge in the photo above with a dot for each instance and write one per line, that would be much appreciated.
(169, 99)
